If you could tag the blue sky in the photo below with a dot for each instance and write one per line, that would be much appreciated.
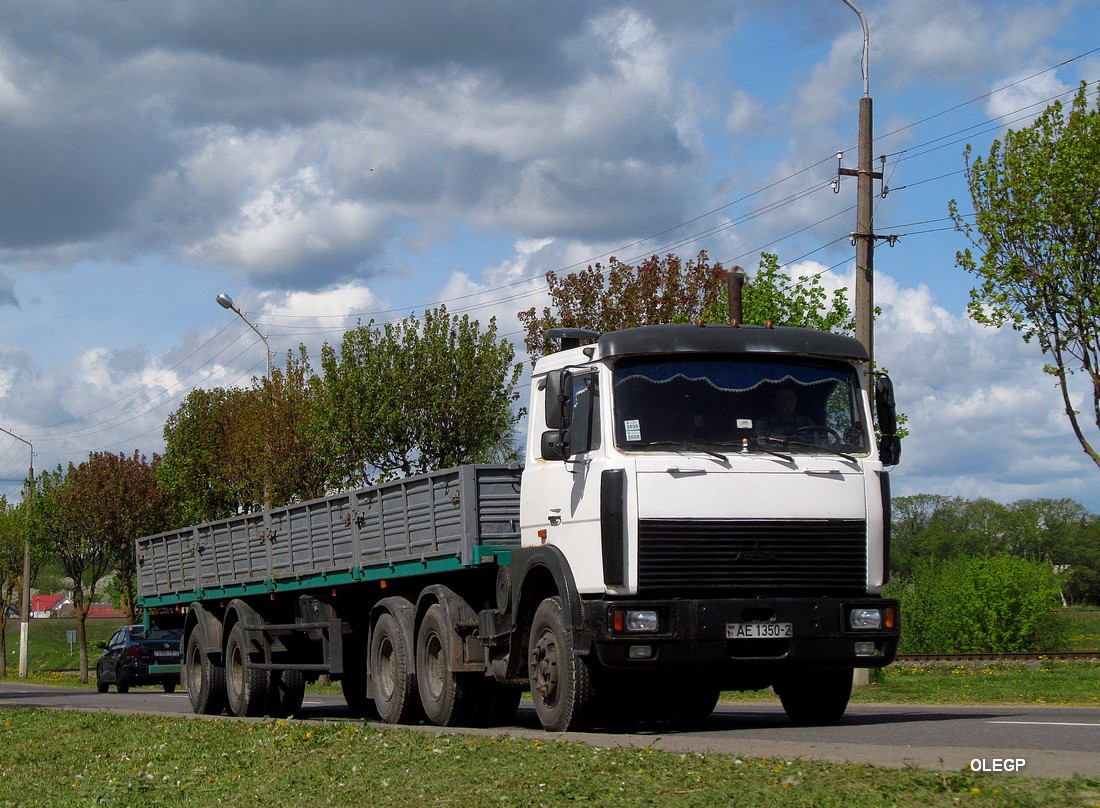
(325, 164)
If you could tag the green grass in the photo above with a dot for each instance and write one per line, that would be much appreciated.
(60, 758)
(1082, 628)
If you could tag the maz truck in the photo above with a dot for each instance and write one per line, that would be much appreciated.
(701, 508)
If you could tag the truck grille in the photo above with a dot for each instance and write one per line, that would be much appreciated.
(751, 557)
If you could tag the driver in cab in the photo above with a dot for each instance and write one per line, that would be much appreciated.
(784, 419)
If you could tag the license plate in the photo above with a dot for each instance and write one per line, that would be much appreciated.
(163, 654)
(758, 631)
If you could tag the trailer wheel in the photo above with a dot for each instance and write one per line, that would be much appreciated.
(285, 693)
(816, 697)
(205, 679)
(246, 687)
(393, 674)
(497, 704)
(448, 698)
(561, 683)
(354, 682)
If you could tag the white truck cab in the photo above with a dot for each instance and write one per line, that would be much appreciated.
(721, 504)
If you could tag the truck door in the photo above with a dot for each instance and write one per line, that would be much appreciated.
(571, 475)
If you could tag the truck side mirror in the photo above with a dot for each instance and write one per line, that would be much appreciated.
(555, 402)
(578, 427)
(570, 406)
(889, 444)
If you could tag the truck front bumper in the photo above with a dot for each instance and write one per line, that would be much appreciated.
(743, 633)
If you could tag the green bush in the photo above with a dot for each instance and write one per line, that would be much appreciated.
(979, 604)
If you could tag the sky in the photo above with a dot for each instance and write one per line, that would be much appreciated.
(332, 163)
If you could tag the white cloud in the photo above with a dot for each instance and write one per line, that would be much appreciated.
(984, 418)
(1021, 103)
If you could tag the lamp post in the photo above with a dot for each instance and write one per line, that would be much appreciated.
(864, 236)
(226, 302)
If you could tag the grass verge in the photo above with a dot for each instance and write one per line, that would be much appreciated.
(66, 758)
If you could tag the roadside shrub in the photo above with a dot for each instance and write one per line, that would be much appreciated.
(979, 604)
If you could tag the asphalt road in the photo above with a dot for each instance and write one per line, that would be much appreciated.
(1035, 741)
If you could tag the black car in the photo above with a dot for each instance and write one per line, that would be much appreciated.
(130, 652)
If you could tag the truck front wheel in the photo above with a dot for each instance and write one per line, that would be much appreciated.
(205, 679)
(816, 697)
(561, 683)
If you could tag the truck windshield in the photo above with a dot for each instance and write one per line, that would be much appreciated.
(730, 403)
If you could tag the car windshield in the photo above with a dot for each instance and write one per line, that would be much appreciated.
(163, 634)
(734, 403)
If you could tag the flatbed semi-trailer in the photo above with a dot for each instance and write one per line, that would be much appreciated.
(675, 530)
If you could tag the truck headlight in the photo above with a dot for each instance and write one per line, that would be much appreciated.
(863, 618)
(635, 621)
(641, 620)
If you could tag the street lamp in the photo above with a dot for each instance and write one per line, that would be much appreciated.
(226, 302)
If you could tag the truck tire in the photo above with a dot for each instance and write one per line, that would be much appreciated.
(353, 683)
(285, 693)
(393, 673)
(816, 697)
(692, 704)
(448, 698)
(205, 679)
(561, 683)
(497, 704)
(246, 688)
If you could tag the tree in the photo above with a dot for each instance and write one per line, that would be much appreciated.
(1037, 217)
(417, 395)
(15, 535)
(659, 290)
(80, 550)
(113, 500)
(979, 604)
(233, 450)
(670, 290)
(192, 469)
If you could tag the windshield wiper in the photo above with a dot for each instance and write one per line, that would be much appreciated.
(688, 447)
(772, 452)
(787, 442)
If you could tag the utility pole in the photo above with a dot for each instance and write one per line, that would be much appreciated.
(25, 600)
(864, 235)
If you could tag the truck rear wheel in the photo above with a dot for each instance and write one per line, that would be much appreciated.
(353, 683)
(448, 698)
(246, 687)
(205, 679)
(285, 693)
(561, 683)
(392, 673)
(816, 697)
